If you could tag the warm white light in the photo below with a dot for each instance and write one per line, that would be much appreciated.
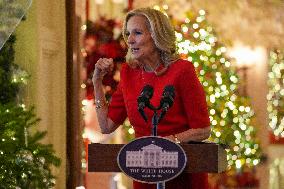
(248, 151)
(131, 131)
(202, 12)
(218, 134)
(166, 7)
(178, 36)
(236, 148)
(255, 162)
(84, 102)
(195, 26)
(80, 187)
(245, 55)
(196, 34)
(157, 7)
(185, 29)
(83, 85)
(212, 111)
(84, 27)
(238, 164)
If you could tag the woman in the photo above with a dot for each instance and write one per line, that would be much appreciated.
(154, 61)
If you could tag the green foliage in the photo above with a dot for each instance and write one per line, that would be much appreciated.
(24, 161)
(8, 88)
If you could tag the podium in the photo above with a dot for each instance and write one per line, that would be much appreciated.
(201, 157)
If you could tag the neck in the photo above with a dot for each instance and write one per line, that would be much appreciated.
(151, 68)
(159, 69)
(152, 63)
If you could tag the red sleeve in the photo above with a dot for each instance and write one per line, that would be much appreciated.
(116, 109)
(193, 97)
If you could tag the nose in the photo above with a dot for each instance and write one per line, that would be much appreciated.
(130, 39)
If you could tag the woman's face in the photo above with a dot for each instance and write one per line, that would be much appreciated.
(139, 38)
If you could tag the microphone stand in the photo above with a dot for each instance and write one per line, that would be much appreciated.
(155, 121)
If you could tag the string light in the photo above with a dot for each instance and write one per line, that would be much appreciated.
(275, 95)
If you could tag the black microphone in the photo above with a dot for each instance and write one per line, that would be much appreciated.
(167, 100)
(144, 100)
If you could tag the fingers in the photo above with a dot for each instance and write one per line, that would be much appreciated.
(105, 64)
(102, 67)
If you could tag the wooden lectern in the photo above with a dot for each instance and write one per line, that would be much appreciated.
(201, 157)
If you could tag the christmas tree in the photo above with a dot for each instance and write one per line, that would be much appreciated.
(230, 113)
(275, 96)
(25, 162)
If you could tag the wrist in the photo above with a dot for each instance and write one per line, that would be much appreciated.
(100, 103)
(97, 81)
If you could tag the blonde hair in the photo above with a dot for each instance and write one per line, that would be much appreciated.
(162, 32)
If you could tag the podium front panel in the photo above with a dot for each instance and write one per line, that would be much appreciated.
(201, 157)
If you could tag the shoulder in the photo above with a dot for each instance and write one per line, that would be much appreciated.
(127, 71)
(126, 68)
(182, 66)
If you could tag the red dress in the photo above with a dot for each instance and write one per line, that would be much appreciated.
(189, 110)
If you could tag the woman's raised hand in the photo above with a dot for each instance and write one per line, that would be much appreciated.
(102, 67)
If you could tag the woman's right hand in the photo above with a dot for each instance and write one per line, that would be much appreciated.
(102, 67)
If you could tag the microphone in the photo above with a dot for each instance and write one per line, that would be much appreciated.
(144, 100)
(167, 100)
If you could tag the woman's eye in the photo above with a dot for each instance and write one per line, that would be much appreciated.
(138, 32)
(127, 33)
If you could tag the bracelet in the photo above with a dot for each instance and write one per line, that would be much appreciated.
(99, 104)
(176, 139)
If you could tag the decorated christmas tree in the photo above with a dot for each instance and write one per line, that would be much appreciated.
(230, 113)
(25, 162)
(275, 96)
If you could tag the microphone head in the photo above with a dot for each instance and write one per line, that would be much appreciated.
(169, 91)
(147, 91)
(168, 95)
(146, 94)
(144, 100)
(167, 100)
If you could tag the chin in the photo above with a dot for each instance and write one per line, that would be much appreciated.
(135, 57)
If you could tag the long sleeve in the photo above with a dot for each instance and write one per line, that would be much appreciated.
(116, 110)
